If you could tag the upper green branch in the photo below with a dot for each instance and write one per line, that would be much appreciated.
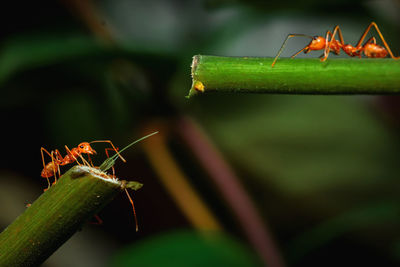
(295, 76)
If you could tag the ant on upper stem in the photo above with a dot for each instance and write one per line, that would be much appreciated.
(370, 48)
(53, 167)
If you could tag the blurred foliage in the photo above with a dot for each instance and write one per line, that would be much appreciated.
(339, 6)
(278, 143)
(343, 130)
(322, 170)
(186, 248)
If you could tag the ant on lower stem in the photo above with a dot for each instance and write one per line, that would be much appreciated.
(53, 167)
(369, 48)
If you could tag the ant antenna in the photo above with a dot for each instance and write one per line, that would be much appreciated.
(109, 162)
(284, 43)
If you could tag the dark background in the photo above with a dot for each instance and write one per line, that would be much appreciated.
(322, 170)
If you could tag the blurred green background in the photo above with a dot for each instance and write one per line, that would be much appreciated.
(321, 171)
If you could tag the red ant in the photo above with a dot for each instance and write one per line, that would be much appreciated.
(370, 48)
(52, 168)
(57, 160)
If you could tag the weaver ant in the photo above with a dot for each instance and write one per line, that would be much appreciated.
(370, 48)
(53, 167)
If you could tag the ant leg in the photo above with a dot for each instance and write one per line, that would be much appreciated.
(44, 165)
(364, 34)
(284, 43)
(54, 164)
(298, 52)
(99, 221)
(75, 158)
(371, 40)
(84, 160)
(90, 160)
(58, 167)
(58, 156)
(59, 159)
(133, 208)
(339, 31)
(115, 149)
(328, 47)
(380, 35)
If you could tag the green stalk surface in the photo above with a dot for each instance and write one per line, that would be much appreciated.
(295, 76)
(55, 216)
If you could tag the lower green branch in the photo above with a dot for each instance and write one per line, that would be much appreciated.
(57, 214)
(295, 76)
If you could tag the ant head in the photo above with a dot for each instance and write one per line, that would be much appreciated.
(86, 148)
(317, 43)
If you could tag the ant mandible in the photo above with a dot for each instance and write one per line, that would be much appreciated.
(370, 48)
(53, 167)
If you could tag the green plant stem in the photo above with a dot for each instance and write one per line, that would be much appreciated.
(295, 76)
(56, 215)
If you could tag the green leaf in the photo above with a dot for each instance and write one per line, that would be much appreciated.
(32, 52)
(186, 248)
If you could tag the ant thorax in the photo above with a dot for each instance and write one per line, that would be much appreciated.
(317, 43)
